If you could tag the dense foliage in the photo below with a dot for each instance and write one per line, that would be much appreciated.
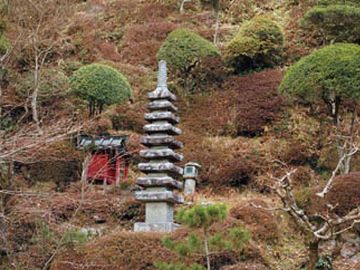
(329, 75)
(202, 216)
(258, 44)
(100, 85)
(334, 23)
(183, 48)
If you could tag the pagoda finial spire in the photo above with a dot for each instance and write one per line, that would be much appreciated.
(162, 75)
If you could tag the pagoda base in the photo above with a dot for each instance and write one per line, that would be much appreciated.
(164, 227)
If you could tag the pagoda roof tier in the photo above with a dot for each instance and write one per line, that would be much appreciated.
(162, 92)
(160, 140)
(158, 196)
(161, 154)
(158, 116)
(160, 167)
(159, 181)
(162, 105)
(162, 128)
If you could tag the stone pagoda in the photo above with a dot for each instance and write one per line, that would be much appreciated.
(161, 174)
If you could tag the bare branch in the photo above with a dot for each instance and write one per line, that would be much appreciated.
(331, 180)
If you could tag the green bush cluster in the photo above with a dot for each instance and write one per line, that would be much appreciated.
(100, 85)
(334, 23)
(53, 84)
(202, 216)
(338, 2)
(330, 74)
(258, 44)
(183, 48)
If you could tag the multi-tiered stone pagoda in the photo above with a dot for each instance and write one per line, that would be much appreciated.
(161, 174)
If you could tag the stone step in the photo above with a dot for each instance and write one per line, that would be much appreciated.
(160, 116)
(161, 92)
(162, 105)
(158, 196)
(162, 128)
(161, 154)
(161, 140)
(159, 181)
(160, 167)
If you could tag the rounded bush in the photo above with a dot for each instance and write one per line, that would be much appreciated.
(258, 44)
(183, 48)
(100, 85)
(330, 73)
(53, 83)
(334, 23)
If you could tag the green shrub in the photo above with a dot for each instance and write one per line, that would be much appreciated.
(72, 237)
(202, 216)
(53, 84)
(329, 75)
(334, 23)
(4, 44)
(100, 85)
(183, 48)
(177, 266)
(338, 2)
(258, 44)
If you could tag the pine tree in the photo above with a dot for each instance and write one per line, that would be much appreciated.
(203, 217)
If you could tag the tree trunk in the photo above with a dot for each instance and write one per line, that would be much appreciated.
(313, 250)
(217, 27)
(206, 244)
(34, 95)
(84, 174)
(182, 5)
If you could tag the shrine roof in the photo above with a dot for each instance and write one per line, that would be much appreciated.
(102, 142)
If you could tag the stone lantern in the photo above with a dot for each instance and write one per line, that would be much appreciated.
(160, 182)
(191, 174)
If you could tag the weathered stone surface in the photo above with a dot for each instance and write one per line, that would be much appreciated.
(159, 140)
(159, 212)
(161, 92)
(189, 187)
(161, 154)
(165, 167)
(159, 181)
(159, 116)
(158, 196)
(155, 227)
(165, 128)
(160, 167)
(162, 105)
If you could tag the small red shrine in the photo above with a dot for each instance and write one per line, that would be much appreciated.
(109, 162)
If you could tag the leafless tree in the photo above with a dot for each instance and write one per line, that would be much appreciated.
(216, 8)
(40, 22)
(318, 227)
(346, 140)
